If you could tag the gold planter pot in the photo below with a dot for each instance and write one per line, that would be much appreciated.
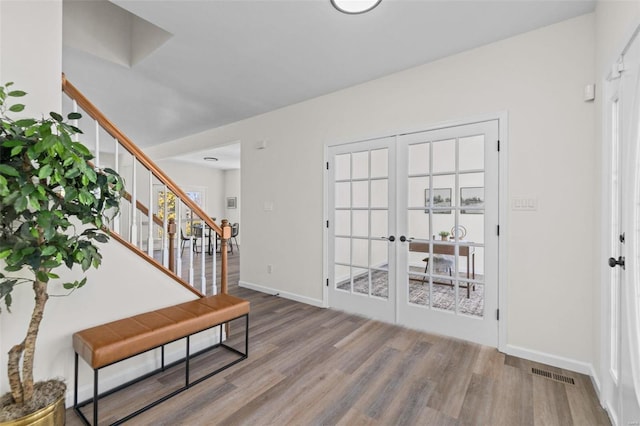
(52, 415)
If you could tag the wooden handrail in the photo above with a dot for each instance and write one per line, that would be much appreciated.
(114, 132)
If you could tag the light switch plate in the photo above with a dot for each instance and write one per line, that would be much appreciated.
(524, 203)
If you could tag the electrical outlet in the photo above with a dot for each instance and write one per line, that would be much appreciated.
(269, 269)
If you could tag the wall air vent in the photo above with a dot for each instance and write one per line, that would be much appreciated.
(553, 376)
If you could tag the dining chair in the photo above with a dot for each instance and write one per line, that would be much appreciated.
(235, 228)
(183, 240)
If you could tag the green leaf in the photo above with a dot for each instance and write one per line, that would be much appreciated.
(56, 116)
(7, 301)
(6, 253)
(16, 150)
(16, 108)
(49, 250)
(34, 203)
(49, 141)
(8, 170)
(16, 93)
(45, 171)
(83, 150)
(101, 238)
(74, 116)
(42, 276)
(25, 122)
(21, 204)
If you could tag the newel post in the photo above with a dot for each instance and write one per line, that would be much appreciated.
(171, 232)
(226, 234)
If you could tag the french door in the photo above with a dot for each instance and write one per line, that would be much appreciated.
(361, 247)
(622, 296)
(412, 233)
(448, 279)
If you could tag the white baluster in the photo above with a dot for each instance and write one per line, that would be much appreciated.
(97, 153)
(116, 220)
(179, 239)
(134, 208)
(203, 279)
(214, 266)
(191, 272)
(150, 219)
(165, 224)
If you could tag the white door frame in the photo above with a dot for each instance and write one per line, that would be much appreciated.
(612, 397)
(503, 204)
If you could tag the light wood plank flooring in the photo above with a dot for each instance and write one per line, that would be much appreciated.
(311, 366)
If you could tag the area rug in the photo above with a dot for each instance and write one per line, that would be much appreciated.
(443, 295)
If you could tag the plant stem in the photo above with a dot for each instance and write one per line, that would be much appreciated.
(13, 370)
(22, 384)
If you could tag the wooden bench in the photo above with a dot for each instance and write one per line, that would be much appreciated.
(116, 341)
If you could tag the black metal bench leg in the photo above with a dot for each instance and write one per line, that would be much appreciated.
(162, 356)
(186, 369)
(95, 397)
(246, 336)
(75, 381)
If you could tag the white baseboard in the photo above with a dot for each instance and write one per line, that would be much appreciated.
(595, 380)
(292, 296)
(552, 360)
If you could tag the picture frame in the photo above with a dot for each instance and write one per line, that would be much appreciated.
(472, 196)
(232, 202)
(441, 198)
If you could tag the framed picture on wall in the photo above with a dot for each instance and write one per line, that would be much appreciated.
(441, 198)
(472, 197)
(232, 202)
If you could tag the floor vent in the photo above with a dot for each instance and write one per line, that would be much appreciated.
(553, 376)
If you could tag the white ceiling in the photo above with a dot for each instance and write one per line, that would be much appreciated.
(230, 60)
(228, 157)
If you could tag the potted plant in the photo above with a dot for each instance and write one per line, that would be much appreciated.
(54, 206)
(444, 235)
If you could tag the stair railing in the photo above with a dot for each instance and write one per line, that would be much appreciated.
(158, 218)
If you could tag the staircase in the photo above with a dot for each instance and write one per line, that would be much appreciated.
(157, 217)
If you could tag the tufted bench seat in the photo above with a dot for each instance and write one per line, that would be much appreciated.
(116, 341)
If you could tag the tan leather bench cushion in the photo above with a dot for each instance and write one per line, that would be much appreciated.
(117, 340)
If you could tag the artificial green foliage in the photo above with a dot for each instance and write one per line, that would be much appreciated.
(53, 203)
(54, 206)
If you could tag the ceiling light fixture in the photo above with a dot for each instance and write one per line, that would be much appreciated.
(355, 6)
(210, 159)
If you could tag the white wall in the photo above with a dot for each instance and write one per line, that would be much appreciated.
(232, 189)
(538, 78)
(30, 37)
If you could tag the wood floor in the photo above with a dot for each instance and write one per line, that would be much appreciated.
(312, 366)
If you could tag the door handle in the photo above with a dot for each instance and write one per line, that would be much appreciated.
(403, 238)
(390, 238)
(613, 262)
